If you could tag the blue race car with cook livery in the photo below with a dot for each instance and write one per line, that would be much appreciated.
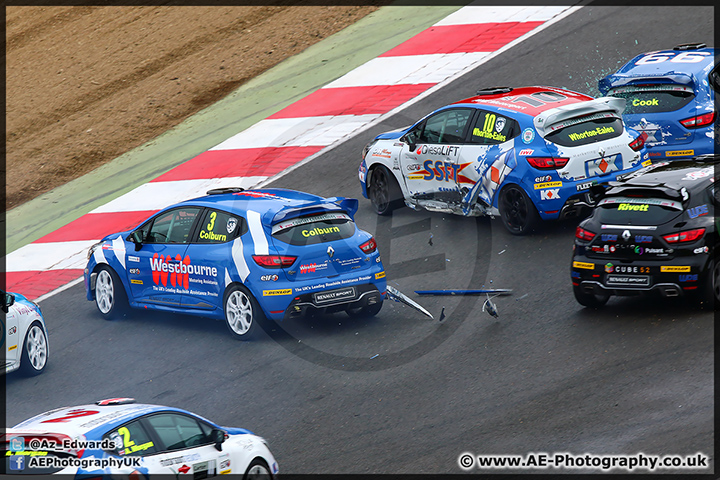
(524, 154)
(670, 98)
(241, 255)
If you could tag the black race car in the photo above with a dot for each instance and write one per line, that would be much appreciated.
(652, 231)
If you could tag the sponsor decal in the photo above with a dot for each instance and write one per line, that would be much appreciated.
(584, 186)
(543, 179)
(447, 171)
(274, 293)
(231, 224)
(447, 150)
(635, 208)
(550, 194)
(704, 249)
(698, 211)
(178, 272)
(629, 269)
(655, 154)
(269, 278)
(575, 274)
(136, 281)
(603, 165)
(674, 269)
(688, 278)
(526, 151)
(646, 163)
(249, 193)
(415, 177)
(643, 281)
(12, 330)
(643, 239)
(312, 267)
(315, 218)
(658, 251)
(583, 265)
(413, 167)
(608, 237)
(384, 153)
(639, 250)
(609, 268)
(132, 258)
(380, 275)
(538, 186)
(134, 271)
(528, 135)
(320, 231)
(323, 297)
(680, 153)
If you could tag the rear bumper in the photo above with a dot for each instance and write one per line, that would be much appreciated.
(364, 295)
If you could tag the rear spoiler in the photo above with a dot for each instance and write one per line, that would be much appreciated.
(622, 80)
(332, 204)
(552, 119)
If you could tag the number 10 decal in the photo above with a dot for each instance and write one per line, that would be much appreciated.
(538, 99)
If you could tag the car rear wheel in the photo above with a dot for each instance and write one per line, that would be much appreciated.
(35, 350)
(367, 311)
(110, 297)
(517, 212)
(710, 295)
(384, 191)
(242, 312)
(259, 469)
(590, 300)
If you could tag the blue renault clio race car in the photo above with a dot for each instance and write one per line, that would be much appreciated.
(670, 98)
(241, 255)
(525, 154)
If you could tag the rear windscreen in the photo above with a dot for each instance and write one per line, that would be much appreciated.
(326, 227)
(655, 99)
(586, 130)
(637, 211)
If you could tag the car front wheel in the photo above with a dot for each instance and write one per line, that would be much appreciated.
(517, 212)
(35, 350)
(110, 297)
(384, 191)
(241, 312)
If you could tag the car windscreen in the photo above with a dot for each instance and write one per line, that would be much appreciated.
(637, 210)
(585, 130)
(654, 98)
(309, 230)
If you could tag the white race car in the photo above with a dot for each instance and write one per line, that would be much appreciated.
(24, 335)
(120, 438)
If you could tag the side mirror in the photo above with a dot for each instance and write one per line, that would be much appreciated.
(218, 437)
(8, 302)
(137, 238)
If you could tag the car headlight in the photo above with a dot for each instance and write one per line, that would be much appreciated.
(92, 249)
(367, 148)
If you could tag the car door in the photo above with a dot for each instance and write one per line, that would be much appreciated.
(157, 272)
(488, 156)
(186, 445)
(209, 254)
(429, 160)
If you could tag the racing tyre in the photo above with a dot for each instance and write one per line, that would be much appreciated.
(35, 350)
(710, 293)
(365, 312)
(384, 191)
(110, 297)
(258, 469)
(518, 213)
(590, 300)
(242, 312)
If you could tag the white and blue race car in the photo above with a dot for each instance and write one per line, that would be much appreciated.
(524, 154)
(118, 438)
(24, 335)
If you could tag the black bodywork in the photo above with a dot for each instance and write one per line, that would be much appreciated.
(653, 231)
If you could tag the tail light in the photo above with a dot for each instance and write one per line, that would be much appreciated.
(638, 143)
(582, 234)
(547, 163)
(699, 121)
(369, 247)
(274, 261)
(686, 236)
